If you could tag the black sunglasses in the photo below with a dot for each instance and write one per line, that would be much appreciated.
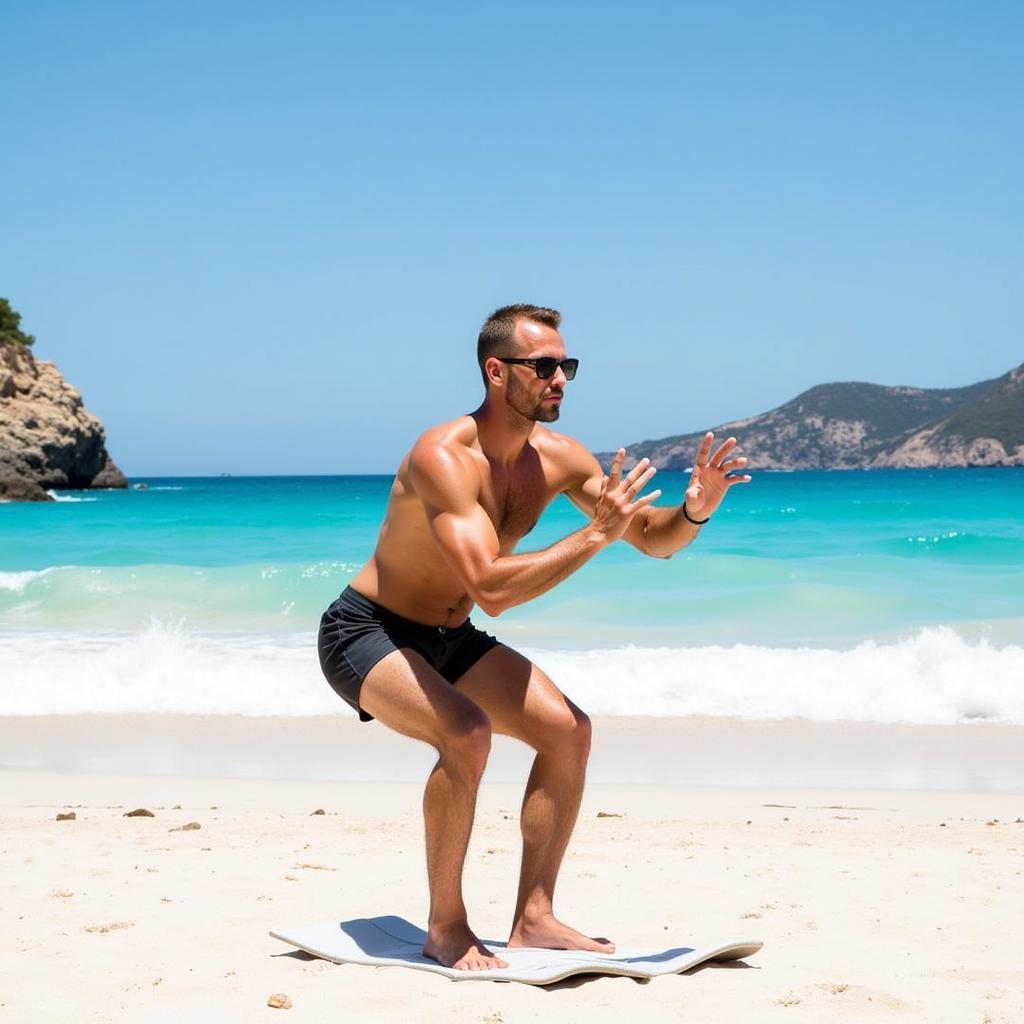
(545, 366)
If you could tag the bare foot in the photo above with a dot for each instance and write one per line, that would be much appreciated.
(458, 947)
(549, 933)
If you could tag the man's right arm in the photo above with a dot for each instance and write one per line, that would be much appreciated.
(447, 483)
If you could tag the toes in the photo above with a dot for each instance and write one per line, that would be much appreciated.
(479, 963)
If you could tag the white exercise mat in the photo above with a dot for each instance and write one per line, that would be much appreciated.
(390, 941)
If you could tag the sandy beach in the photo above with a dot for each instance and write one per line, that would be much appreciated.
(874, 903)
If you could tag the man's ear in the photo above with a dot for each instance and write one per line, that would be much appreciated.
(494, 368)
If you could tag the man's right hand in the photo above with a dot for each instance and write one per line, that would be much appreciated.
(618, 502)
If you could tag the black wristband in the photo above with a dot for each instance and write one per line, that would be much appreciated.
(690, 519)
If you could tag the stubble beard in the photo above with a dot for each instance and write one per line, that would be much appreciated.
(522, 402)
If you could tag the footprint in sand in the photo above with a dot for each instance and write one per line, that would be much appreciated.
(864, 1001)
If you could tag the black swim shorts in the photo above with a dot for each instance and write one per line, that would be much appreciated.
(355, 633)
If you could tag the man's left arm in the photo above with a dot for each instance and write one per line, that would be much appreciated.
(661, 532)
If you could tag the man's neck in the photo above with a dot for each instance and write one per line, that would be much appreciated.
(503, 432)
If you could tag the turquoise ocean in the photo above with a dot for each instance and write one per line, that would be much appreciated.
(891, 596)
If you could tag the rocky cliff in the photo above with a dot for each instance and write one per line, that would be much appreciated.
(867, 426)
(47, 437)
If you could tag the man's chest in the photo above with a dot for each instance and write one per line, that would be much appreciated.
(514, 500)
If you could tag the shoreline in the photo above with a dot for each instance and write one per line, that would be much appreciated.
(639, 751)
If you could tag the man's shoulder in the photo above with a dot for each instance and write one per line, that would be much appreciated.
(442, 456)
(571, 463)
(563, 449)
(446, 440)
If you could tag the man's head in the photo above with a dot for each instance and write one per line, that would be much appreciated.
(530, 332)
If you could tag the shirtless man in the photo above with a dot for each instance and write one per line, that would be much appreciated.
(398, 645)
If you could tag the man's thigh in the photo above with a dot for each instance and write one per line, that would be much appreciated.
(407, 695)
(520, 699)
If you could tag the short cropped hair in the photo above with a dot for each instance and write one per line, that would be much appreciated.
(497, 336)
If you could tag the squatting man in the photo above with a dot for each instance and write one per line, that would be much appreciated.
(398, 645)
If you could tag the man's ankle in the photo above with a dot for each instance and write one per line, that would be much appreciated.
(534, 914)
(448, 922)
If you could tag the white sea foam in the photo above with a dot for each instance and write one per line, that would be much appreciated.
(16, 582)
(163, 668)
(67, 497)
(935, 676)
(932, 677)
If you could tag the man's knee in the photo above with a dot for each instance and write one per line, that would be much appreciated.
(568, 734)
(582, 731)
(465, 742)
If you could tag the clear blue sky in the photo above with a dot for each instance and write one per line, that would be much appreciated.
(260, 238)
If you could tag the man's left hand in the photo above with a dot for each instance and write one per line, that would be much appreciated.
(711, 477)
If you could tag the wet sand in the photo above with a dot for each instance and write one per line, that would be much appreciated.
(978, 756)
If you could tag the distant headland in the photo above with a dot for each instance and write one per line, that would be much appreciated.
(868, 426)
(47, 437)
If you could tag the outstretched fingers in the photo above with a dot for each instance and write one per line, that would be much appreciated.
(616, 471)
(617, 502)
(633, 482)
(705, 447)
(732, 465)
(723, 450)
(638, 477)
(646, 499)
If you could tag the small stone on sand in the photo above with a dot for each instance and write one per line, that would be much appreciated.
(70, 816)
(608, 814)
(139, 812)
(279, 1001)
(114, 926)
(62, 893)
(319, 810)
(189, 827)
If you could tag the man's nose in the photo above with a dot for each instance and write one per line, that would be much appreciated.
(558, 376)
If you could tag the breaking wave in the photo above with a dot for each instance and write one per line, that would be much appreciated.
(934, 676)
